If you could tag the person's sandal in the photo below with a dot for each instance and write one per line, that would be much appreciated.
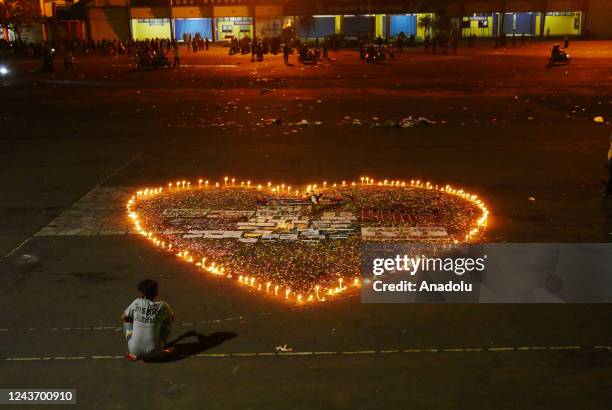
(131, 357)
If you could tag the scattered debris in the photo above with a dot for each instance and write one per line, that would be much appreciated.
(385, 124)
(406, 122)
(283, 349)
(26, 259)
(273, 121)
(411, 122)
(305, 123)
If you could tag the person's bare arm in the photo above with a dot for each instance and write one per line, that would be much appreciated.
(170, 314)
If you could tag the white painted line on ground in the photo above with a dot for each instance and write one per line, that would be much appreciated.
(107, 357)
(565, 347)
(328, 353)
(186, 324)
(360, 352)
(295, 353)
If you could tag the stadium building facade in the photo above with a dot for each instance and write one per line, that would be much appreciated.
(221, 20)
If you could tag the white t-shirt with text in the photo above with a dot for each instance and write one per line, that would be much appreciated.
(150, 325)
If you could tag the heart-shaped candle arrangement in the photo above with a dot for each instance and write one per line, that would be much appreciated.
(301, 244)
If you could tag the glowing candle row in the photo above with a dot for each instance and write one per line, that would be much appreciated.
(270, 288)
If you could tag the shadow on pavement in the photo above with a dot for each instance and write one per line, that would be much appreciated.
(202, 343)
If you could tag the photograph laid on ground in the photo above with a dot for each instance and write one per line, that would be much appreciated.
(306, 205)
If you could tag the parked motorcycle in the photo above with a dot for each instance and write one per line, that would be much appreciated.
(558, 56)
(153, 60)
(307, 56)
(4, 70)
(374, 54)
(48, 56)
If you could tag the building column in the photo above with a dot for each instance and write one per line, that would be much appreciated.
(387, 25)
(213, 26)
(379, 25)
(543, 10)
(172, 28)
(131, 36)
(253, 19)
(339, 25)
(583, 17)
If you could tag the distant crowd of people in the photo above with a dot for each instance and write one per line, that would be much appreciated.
(258, 47)
(149, 52)
(264, 45)
(164, 52)
(104, 47)
(196, 42)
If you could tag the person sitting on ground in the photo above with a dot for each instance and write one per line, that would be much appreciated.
(147, 324)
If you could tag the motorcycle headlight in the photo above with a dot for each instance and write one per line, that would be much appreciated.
(3, 70)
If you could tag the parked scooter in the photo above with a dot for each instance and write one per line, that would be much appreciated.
(558, 56)
(153, 60)
(48, 56)
(4, 70)
(373, 55)
(307, 56)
